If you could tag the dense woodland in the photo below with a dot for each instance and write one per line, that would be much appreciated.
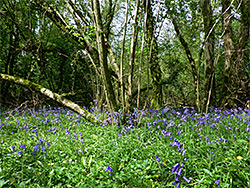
(123, 54)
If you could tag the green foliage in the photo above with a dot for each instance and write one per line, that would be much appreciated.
(34, 47)
(60, 149)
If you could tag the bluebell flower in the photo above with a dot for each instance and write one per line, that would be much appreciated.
(34, 152)
(19, 153)
(217, 182)
(82, 140)
(43, 148)
(175, 167)
(160, 164)
(13, 148)
(110, 170)
(188, 181)
(67, 132)
(178, 185)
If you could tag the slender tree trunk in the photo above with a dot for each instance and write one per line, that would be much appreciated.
(102, 49)
(190, 58)
(153, 59)
(132, 58)
(229, 51)
(209, 82)
(244, 36)
(141, 56)
(122, 54)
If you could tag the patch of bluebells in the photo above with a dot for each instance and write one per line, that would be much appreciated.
(177, 168)
(161, 121)
(110, 170)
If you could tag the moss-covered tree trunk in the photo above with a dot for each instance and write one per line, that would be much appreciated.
(209, 82)
(56, 97)
(132, 57)
(229, 52)
(102, 49)
(153, 59)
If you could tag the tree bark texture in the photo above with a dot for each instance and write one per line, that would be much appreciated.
(229, 50)
(122, 54)
(155, 69)
(102, 49)
(209, 82)
(132, 58)
(244, 36)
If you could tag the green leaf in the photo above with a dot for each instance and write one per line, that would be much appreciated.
(3, 182)
(240, 141)
(207, 171)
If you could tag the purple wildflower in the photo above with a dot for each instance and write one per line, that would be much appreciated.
(188, 181)
(217, 182)
(175, 167)
(19, 153)
(13, 148)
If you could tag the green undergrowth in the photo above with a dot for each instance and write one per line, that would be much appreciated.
(57, 148)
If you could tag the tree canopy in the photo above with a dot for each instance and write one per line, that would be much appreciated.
(125, 54)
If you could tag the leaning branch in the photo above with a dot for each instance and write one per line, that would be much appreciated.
(54, 96)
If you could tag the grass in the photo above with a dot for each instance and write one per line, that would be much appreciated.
(54, 147)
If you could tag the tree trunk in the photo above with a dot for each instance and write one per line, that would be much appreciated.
(229, 51)
(190, 58)
(122, 54)
(102, 49)
(56, 97)
(132, 58)
(244, 36)
(153, 59)
(209, 82)
(141, 56)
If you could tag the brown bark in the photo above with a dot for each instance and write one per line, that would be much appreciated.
(141, 56)
(229, 51)
(122, 54)
(102, 49)
(244, 36)
(153, 59)
(209, 82)
(132, 57)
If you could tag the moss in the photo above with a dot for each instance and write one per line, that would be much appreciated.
(38, 88)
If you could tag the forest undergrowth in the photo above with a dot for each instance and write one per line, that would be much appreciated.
(55, 147)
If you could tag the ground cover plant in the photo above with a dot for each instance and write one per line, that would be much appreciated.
(54, 147)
